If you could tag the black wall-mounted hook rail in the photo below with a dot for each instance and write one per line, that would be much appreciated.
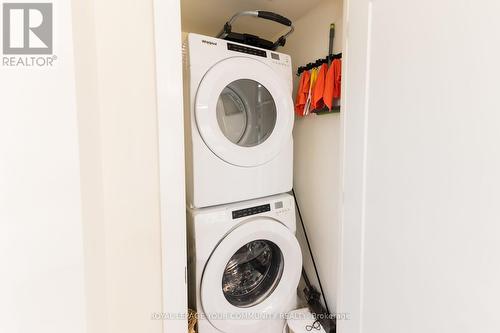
(318, 63)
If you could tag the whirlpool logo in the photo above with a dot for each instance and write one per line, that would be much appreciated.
(208, 42)
(28, 34)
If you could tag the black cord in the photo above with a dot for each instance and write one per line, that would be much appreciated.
(310, 251)
(315, 326)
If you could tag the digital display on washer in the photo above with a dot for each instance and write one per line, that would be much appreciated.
(245, 49)
(251, 211)
(275, 56)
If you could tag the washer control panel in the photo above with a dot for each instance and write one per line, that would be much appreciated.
(282, 207)
(251, 211)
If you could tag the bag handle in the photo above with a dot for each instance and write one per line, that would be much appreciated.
(274, 17)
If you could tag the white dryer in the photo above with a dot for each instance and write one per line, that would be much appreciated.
(239, 121)
(244, 265)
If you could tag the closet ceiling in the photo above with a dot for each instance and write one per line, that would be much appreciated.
(208, 16)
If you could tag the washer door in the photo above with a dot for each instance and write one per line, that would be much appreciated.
(244, 111)
(251, 276)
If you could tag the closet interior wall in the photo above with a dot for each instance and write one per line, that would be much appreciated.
(317, 146)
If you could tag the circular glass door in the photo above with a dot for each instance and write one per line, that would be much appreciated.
(246, 113)
(256, 269)
(252, 273)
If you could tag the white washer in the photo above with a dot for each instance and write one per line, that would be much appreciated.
(244, 265)
(239, 121)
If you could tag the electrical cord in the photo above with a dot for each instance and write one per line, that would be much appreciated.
(315, 326)
(310, 251)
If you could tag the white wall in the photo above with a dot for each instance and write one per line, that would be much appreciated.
(423, 160)
(41, 251)
(317, 148)
(172, 174)
(129, 138)
(89, 130)
(79, 177)
(118, 123)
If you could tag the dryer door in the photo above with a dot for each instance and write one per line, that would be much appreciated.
(244, 111)
(255, 270)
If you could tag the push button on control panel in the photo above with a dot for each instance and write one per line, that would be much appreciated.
(251, 211)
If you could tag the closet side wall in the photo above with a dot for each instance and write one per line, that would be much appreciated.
(127, 85)
(115, 68)
(317, 148)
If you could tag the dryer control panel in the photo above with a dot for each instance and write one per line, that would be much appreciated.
(246, 49)
(274, 56)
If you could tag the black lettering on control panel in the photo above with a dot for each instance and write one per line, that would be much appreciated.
(251, 211)
(247, 50)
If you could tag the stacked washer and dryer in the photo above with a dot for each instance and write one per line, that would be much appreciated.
(244, 260)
